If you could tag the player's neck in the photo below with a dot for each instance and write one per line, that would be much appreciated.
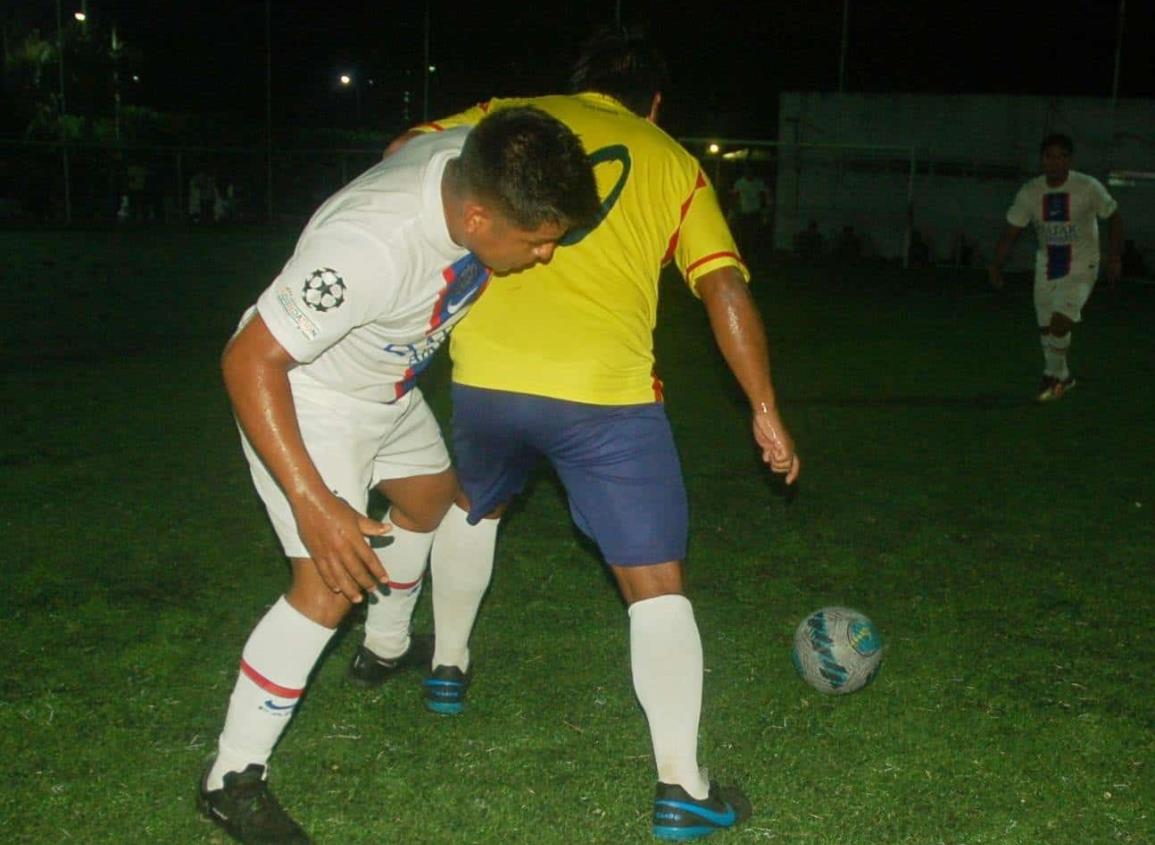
(1058, 181)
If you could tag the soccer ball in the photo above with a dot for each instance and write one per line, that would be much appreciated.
(837, 650)
(324, 290)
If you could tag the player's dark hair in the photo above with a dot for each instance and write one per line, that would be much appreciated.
(531, 167)
(622, 64)
(1057, 139)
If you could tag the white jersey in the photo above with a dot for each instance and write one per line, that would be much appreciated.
(752, 193)
(375, 283)
(1065, 222)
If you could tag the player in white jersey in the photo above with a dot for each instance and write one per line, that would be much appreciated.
(321, 374)
(1065, 207)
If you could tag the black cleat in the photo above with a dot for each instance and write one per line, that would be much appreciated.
(445, 690)
(678, 816)
(368, 669)
(246, 809)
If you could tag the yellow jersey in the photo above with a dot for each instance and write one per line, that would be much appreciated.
(581, 327)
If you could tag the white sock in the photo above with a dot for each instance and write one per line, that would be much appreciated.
(461, 564)
(387, 621)
(275, 665)
(1055, 355)
(666, 659)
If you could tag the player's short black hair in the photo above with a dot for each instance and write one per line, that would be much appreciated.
(623, 64)
(1057, 139)
(531, 167)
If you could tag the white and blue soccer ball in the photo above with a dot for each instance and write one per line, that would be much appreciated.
(837, 650)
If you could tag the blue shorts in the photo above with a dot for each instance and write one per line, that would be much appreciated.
(618, 464)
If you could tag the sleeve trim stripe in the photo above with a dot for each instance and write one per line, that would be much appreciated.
(714, 256)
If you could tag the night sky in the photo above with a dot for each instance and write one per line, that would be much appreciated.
(728, 62)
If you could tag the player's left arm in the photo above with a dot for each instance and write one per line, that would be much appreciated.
(741, 336)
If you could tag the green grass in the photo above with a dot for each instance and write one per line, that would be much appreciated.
(1006, 551)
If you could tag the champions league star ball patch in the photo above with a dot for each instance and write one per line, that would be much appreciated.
(324, 290)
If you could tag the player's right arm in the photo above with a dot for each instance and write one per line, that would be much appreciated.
(1002, 250)
(1018, 218)
(708, 259)
(256, 373)
(741, 337)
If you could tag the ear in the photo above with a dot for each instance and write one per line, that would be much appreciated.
(655, 107)
(475, 216)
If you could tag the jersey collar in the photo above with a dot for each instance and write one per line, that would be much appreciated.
(604, 101)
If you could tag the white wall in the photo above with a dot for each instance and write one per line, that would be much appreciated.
(972, 154)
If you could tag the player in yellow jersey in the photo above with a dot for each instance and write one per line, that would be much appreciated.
(558, 362)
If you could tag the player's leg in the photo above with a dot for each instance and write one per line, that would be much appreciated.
(1056, 345)
(626, 492)
(493, 462)
(416, 506)
(1067, 298)
(284, 647)
(411, 470)
(1053, 360)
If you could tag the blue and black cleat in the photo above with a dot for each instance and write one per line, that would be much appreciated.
(679, 817)
(445, 690)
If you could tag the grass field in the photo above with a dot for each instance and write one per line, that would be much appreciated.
(1006, 550)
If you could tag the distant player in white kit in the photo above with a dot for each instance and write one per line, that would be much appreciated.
(1065, 207)
(321, 376)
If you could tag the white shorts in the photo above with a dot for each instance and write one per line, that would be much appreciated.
(1066, 295)
(354, 444)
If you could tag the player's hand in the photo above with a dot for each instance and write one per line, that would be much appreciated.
(776, 444)
(335, 535)
(995, 274)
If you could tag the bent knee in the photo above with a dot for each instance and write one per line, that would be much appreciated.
(311, 598)
(638, 583)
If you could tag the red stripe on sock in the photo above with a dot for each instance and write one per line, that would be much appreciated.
(397, 585)
(267, 685)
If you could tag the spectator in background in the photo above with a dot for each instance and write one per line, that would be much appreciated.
(202, 192)
(965, 251)
(809, 244)
(848, 247)
(918, 255)
(750, 211)
(1134, 267)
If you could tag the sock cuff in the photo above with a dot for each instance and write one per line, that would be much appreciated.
(283, 647)
(456, 523)
(670, 603)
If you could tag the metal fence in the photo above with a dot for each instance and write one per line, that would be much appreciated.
(44, 182)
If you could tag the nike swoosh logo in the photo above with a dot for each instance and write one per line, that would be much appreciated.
(452, 307)
(723, 819)
(269, 703)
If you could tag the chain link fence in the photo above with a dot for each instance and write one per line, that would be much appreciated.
(44, 182)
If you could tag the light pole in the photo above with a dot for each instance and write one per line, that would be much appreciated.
(426, 69)
(842, 49)
(61, 114)
(348, 80)
(269, 110)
